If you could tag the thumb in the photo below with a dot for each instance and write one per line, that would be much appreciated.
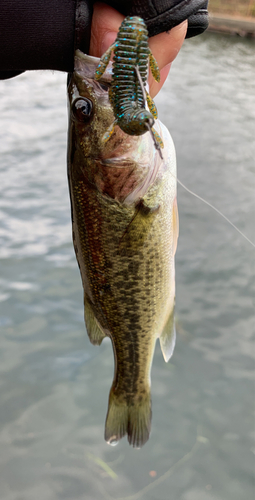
(105, 25)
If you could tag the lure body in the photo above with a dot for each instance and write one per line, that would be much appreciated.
(130, 68)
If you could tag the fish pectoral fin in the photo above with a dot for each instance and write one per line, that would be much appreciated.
(95, 333)
(168, 337)
(148, 207)
(137, 230)
(133, 420)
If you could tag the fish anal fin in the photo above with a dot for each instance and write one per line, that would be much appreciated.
(168, 337)
(95, 333)
(133, 419)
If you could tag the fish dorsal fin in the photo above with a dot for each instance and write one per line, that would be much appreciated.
(95, 333)
(175, 225)
(168, 337)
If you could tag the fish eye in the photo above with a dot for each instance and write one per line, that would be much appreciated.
(82, 109)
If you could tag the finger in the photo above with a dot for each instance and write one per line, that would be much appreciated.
(165, 48)
(156, 86)
(105, 25)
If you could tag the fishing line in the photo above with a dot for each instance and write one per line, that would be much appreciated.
(138, 74)
(218, 211)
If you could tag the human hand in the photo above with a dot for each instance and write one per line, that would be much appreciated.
(165, 46)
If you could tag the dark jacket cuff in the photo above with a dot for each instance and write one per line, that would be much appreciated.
(44, 34)
(163, 15)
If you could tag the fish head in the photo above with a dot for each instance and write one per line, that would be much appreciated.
(121, 166)
(90, 112)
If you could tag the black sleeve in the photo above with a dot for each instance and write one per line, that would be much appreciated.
(162, 15)
(43, 34)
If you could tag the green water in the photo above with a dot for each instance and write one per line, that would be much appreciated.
(54, 384)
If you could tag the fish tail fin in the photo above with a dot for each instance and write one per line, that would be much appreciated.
(117, 419)
(139, 423)
(133, 419)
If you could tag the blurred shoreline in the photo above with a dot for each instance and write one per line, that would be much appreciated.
(233, 25)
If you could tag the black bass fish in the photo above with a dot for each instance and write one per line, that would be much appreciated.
(125, 231)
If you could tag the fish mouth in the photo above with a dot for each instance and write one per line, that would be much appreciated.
(116, 162)
(87, 65)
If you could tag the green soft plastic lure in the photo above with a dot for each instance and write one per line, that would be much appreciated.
(127, 93)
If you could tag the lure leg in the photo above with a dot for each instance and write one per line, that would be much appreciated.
(151, 106)
(104, 61)
(158, 143)
(154, 67)
(158, 140)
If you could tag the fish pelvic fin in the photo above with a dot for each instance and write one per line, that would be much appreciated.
(168, 337)
(131, 418)
(95, 333)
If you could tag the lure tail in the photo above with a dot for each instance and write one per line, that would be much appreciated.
(132, 418)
